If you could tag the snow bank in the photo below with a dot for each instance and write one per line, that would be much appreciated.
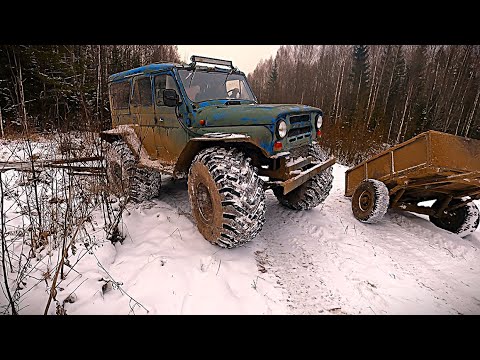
(321, 261)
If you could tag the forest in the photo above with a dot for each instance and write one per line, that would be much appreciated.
(372, 96)
(65, 211)
(376, 96)
(61, 87)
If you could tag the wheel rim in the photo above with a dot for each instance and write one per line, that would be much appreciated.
(204, 202)
(116, 175)
(364, 201)
(452, 219)
(116, 172)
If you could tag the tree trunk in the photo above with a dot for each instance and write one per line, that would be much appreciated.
(340, 93)
(470, 121)
(452, 97)
(99, 82)
(1, 122)
(391, 80)
(463, 104)
(403, 115)
(370, 95)
(337, 86)
(379, 82)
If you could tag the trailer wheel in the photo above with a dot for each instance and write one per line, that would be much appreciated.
(370, 201)
(462, 221)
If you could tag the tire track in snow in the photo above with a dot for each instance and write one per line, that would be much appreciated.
(411, 267)
(328, 262)
(294, 266)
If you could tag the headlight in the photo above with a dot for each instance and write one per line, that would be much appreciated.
(318, 121)
(281, 129)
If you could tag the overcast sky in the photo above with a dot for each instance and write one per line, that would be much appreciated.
(245, 57)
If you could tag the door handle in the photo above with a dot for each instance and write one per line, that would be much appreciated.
(157, 119)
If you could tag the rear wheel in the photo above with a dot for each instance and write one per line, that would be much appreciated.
(227, 197)
(462, 221)
(311, 193)
(370, 201)
(128, 179)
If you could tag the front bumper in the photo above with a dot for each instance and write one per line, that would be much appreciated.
(291, 173)
(305, 175)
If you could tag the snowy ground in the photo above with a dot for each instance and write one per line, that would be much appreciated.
(321, 261)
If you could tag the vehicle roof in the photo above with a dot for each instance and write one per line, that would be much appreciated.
(155, 67)
(150, 68)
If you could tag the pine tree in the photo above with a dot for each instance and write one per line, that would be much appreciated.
(360, 81)
(272, 82)
(417, 75)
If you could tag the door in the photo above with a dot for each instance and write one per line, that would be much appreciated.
(143, 114)
(120, 102)
(171, 133)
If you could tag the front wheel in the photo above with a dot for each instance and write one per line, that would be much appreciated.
(312, 192)
(227, 197)
(462, 221)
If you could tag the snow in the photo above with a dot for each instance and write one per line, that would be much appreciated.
(280, 154)
(331, 263)
(218, 135)
(168, 267)
(321, 261)
(295, 161)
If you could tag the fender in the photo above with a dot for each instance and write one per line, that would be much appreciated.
(195, 145)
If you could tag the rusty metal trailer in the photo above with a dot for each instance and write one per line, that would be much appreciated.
(431, 166)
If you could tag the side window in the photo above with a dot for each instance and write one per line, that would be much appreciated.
(163, 82)
(120, 93)
(142, 92)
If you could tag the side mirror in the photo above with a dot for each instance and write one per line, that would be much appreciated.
(170, 97)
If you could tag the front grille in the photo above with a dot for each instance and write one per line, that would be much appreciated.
(299, 118)
(299, 131)
(301, 127)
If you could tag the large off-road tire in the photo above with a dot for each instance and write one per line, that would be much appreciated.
(311, 193)
(370, 201)
(462, 221)
(128, 179)
(227, 196)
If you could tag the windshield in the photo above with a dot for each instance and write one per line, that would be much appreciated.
(202, 85)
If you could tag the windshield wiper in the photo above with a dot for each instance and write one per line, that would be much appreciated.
(193, 75)
(226, 78)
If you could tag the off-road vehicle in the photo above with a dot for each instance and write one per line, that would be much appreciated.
(202, 121)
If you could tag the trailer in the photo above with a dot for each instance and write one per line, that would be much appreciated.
(431, 166)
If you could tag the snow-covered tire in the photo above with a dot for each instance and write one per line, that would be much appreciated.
(227, 197)
(312, 192)
(370, 201)
(128, 179)
(462, 221)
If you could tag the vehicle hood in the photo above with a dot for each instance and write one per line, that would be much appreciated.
(220, 114)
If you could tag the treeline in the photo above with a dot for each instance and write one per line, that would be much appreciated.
(48, 87)
(376, 96)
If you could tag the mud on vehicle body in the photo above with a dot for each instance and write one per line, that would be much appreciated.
(203, 122)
